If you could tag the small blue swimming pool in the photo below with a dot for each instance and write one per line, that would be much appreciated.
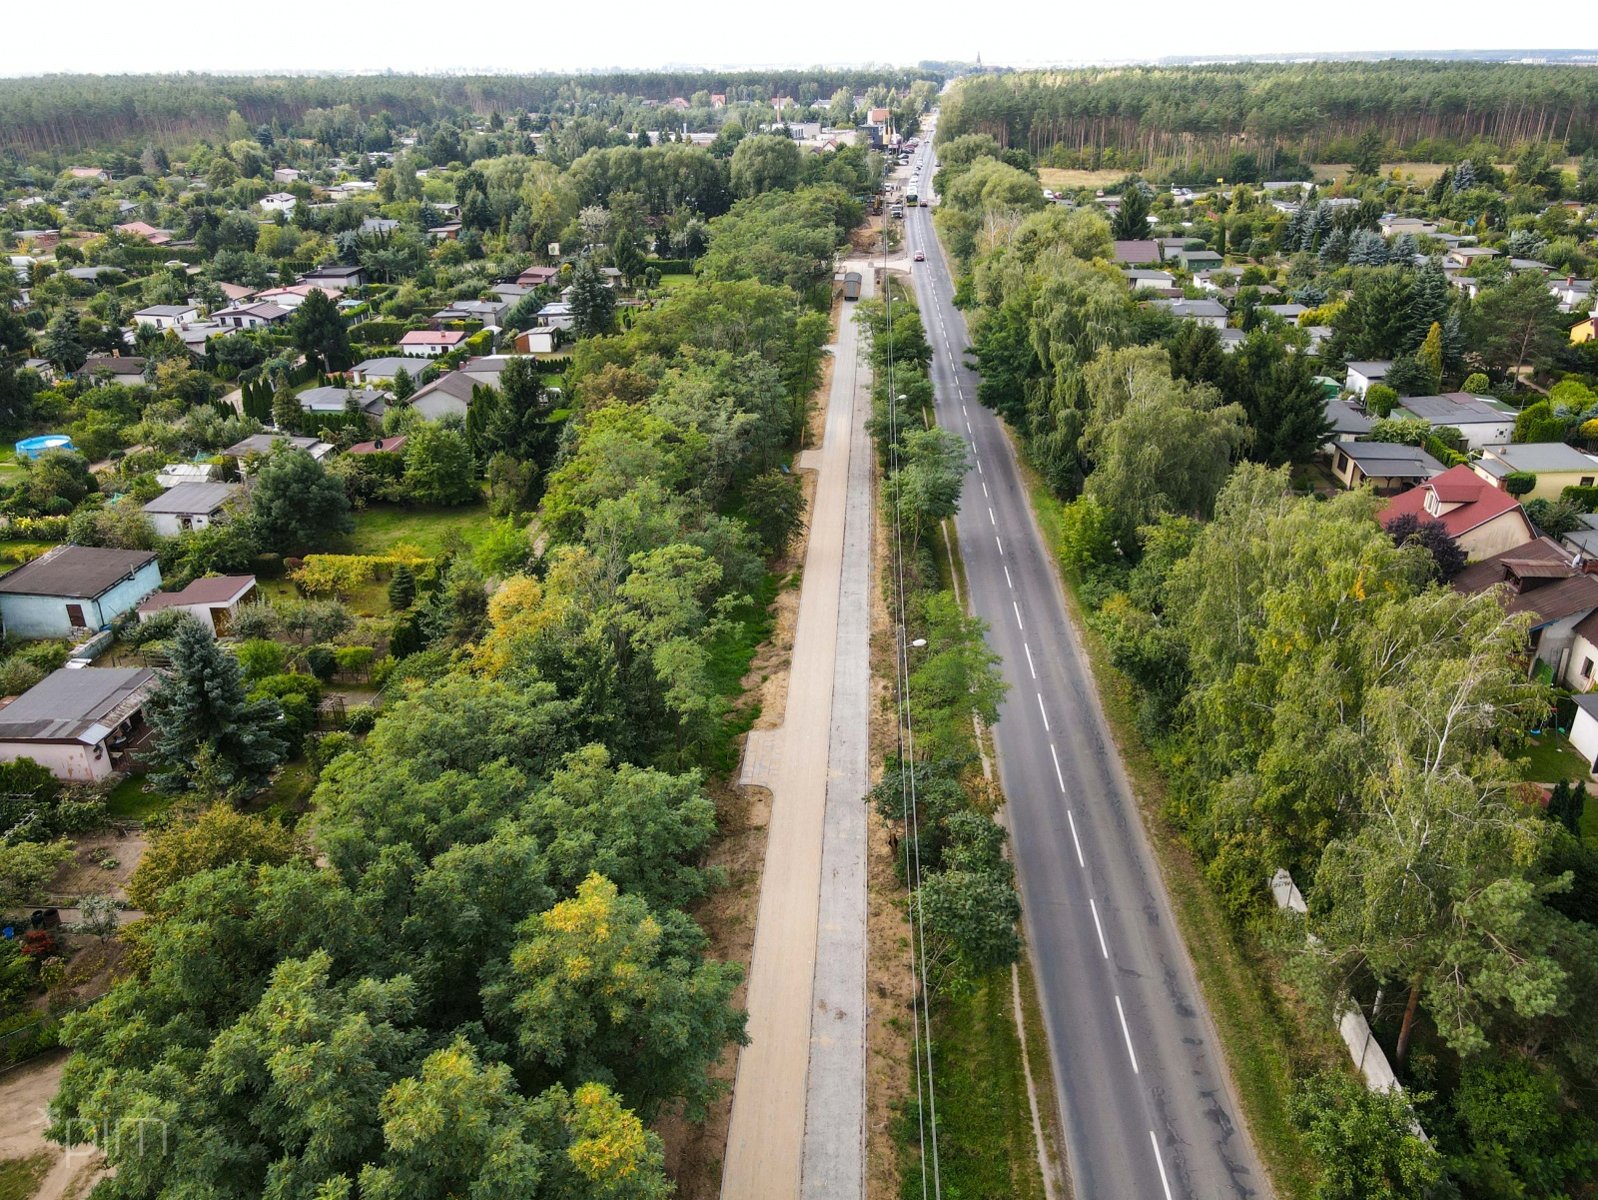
(35, 446)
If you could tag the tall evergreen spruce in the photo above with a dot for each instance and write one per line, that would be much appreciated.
(202, 716)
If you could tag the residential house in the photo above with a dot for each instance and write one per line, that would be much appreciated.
(1136, 252)
(1584, 331)
(234, 292)
(1388, 467)
(1555, 464)
(540, 339)
(166, 316)
(279, 202)
(73, 588)
(1482, 420)
(430, 343)
(1198, 260)
(213, 601)
(383, 370)
(124, 369)
(262, 444)
(449, 395)
(1361, 375)
(78, 724)
(1318, 336)
(145, 232)
(534, 277)
(1231, 338)
(449, 231)
(1482, 519)
(295, 294)
(510, 293)
(1349, 422)
(1464, 256)
(336, 400)
(487, 312)
(1414, 226)
(1289, 313)
(380, 226)
(352, 188)
(1559, 591)
(340, 277)
(557, 315)
(1570, 291)
(1140, 280)
(285, 175)
(1205, 312)
(173, 474)
(1584, 729)
(191, 506)
(250, 316)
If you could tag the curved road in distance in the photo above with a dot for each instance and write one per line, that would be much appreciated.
(1147, 1108)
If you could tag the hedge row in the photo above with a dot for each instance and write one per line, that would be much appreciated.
(341, 574)
(671, 266)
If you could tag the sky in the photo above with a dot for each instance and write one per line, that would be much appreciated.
(429, 36)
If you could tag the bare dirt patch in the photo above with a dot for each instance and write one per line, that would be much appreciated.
(101, 865)
(25, 1095)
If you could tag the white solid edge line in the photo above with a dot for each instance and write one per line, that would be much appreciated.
(1069, 816)
(1098, 928)
(1026, 647)
(1127, 1034)
(1160, 1160)
(1060, 779)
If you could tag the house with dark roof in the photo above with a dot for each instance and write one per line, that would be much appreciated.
(336, 400)
(1135, 252)
(1205, 312)
(1482, 420)
(340, 277)
(383, 370)
(1483, 519)
(213, 601)
(1349, 423)
(192, 506)
(73, 589)
(1558, 590)
(262, 444)
(1361, 375)
(124, 369)
(1388, 467)
(80, 724)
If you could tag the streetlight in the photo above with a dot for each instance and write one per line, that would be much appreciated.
(919, 643)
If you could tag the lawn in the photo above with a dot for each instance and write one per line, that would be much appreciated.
(1057, 179)
(1550, 758)
(381, 527)
(134, 800)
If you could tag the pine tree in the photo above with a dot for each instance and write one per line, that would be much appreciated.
(286, 409)
(401, 589)
(404, 385)
(1464, 176)
(199, 705)
(1565, 805)
(592, 303)
(1131, 221)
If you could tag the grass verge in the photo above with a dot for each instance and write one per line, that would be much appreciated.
(1264, 1038)
(985, 1144)
(730, 656)
(20, 1177)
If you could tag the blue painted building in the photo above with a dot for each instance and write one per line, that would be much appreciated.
(73, 589)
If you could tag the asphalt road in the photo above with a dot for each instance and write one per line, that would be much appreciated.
(1147, 1110)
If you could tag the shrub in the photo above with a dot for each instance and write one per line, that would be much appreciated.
(1584, 498)
(353, 660)
(1380, 399)
(1476, 383)
(260, 658)
(1518, 483)
(321, 662)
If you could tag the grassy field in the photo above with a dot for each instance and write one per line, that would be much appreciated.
(381, 527)
(1057, 179)
(1263, 1032)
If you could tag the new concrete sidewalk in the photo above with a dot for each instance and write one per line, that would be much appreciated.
(798, 1109)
